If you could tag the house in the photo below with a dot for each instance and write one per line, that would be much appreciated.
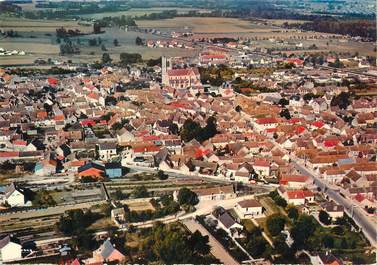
(118, 216)
(113, 170)
(17, 196)
(326, 259)
(63, 151)
(106, 253)
(216, 193)
(249, 209)
(262, 124)
(294, 181)
(106, 151)
(334, 210)
(124, 136)
(45, 167)
(296, 197)
(262, 167)
(10, 249)
(227, 222)
(162, 159)
(318, 104)
(92, 169)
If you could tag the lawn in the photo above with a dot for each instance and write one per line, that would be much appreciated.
(101, 224)
(270, 206)
(140, 206)
(248, 224)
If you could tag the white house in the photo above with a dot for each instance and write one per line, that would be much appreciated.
(124, 136)
(16, 196)
(262, 124)
(10, 249)
(227, 222)
(294, 181)
(334, 210)
(296, 197)
(249, 208)
(106, 150)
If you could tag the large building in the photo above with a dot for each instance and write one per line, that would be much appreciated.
(179, 78)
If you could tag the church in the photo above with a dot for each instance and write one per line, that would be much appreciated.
(179, 78)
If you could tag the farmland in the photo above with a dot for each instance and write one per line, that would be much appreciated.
(38, 37)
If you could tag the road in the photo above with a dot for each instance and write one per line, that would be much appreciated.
(368, 228)
(217, 249)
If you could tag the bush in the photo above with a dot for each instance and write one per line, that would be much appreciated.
(275, 224)
(293, 213)
(186, 196)
(324, 217)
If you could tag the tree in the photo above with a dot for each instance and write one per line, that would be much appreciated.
(324, 217)
(186, 196)
(106, 59)
(92, 42)
(283, 102)
(342, 100)
(302, 230)
(281, 247)
(161, 175)
(190, 130)
(140, 192)
(171, 245)
(199, 243)
(328, 241)
(193, 130)
(43, 198)
(139, 41)
(285, 113)
(210, 130)
(73, 222)
(129, 58)
(173, 128)
(293, 213)
(116, 43)
(238, 108)
(119, 195)
(256, 245)
(96, 28)
(275, 224)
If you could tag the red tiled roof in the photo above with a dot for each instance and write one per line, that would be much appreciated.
(52, 81)
(9, 154)
(293, 178)
(299, 194)
(183, 72)
(331, 143)
(300, 129)
(266, 120)
(318, 124)
(19, 142)
(151, 148)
